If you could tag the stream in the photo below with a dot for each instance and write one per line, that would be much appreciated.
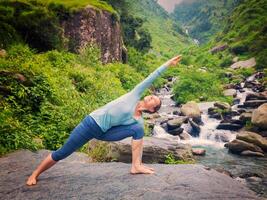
(251, 171)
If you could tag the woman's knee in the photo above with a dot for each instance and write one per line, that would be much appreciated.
(139, 131)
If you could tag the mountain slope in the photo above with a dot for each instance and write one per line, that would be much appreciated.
(167, 36)
(203, 18)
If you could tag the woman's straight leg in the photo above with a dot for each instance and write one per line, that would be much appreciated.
(81, 134)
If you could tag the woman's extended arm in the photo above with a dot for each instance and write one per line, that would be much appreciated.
(140, 88)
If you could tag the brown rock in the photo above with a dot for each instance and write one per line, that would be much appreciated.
(244, 64)
(259, 116)
(237, 146)
(88, 26)
(253, 138)
(191, 109)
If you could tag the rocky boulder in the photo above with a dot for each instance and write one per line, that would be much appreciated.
(237, 146)
(154, 149)
(75, 178)
(253, 138)
(259, 117)
(244, 64)
(191, 109)
(230, 92)
(88, 26)
(218, 48)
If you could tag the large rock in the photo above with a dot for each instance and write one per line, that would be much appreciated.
(259, 116)
(74, 178)
(254, 103)
(230, 92)
(244, 64)
(253, 138)
(89, 25)
(154, 149)
(251, 153)
(176, 123)
(222, 105)
(237, 146)
(218, 48)
(191, 109)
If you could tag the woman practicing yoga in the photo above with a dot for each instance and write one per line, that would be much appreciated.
(114, 121)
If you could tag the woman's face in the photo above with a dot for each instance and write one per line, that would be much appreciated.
(151, 101)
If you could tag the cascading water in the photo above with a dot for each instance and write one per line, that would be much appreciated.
(213, 140)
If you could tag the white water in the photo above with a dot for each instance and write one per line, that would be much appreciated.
(209, 135)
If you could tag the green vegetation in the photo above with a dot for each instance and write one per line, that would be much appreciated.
(167, 39)
(195, 83)
(170, 159)
(204, 18)
(37, 22)
(44, 96)
(246, 31)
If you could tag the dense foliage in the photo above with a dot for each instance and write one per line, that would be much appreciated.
(44, 96)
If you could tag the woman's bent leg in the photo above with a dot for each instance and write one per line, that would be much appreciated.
(136, 131)
(78, 137)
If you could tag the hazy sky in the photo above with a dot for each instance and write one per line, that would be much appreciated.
(169, 4)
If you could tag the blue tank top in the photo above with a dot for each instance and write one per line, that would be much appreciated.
(121, 110)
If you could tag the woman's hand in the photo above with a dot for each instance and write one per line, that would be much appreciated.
(174, 61)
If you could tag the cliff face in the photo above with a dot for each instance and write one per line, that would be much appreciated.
(93, 26)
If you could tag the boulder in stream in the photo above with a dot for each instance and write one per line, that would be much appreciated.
(191, 109)
(253, 138)
(237, 146)
(251, 153)
(230, 92)
(176, 123)
(259, 117)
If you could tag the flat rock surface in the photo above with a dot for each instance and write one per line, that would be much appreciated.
(76, 178)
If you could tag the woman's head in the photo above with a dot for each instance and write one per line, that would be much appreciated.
(152, 104)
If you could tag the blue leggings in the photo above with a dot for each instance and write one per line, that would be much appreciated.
(89, 129)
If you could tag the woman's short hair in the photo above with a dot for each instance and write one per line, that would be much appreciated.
(156, 108)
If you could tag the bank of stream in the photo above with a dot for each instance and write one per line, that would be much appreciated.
(249, 170)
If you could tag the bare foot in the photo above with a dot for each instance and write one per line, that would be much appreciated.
(32, 180)
(141, 170)
(147, 167)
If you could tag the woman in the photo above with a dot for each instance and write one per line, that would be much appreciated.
(114, 121)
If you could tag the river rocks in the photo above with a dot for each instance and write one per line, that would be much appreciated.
(154, 149)
(237, 146)
(254, 103)
(253, 138)
(195, 128)
(245, 117)
(251, 153)
(198, 151)
(259, 117)
(256, 96)
(222, 105)
(190, 109)
(218, 48)
(244, 64)
(176, 123)
(230, 92)
(185, 136)
(176, 131)
(230, 124)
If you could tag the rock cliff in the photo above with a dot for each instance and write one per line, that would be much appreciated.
(94, 26)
